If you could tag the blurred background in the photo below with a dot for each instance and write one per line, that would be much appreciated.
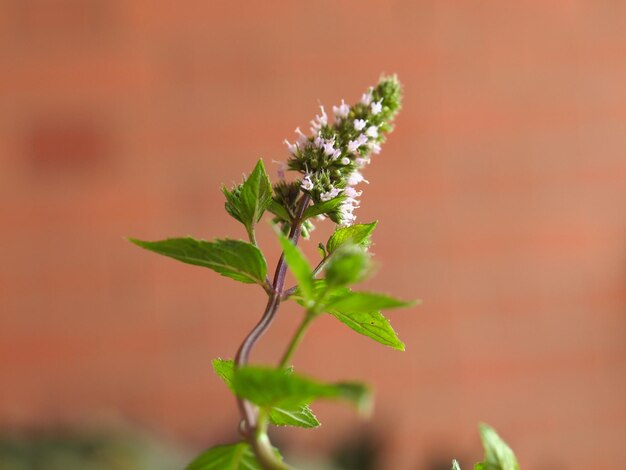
(501, 197)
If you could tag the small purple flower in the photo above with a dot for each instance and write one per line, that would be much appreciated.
(307, 184)
(333, 193)
(342, 110)
(377, 107)
(353, 145)
(366, 98)
(359, 124)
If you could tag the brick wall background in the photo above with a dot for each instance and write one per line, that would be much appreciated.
(501, 198)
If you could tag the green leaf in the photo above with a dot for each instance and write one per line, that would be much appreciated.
(325, 207)
(231, 258)
(248, 201)
(498, 455)
(358, 234)
(322, 249)
(300, 268)
(296, 413)
(366, 301)
(278, 210)
(268, 387)
(322, 292)
(293, 414)
(233, 201)
(256, 192)
(455, 465)
(225, 368)
(227, 457)
(349, 264)
(369, 323)
(358, 310)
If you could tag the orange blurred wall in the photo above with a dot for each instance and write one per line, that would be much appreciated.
(501, 198)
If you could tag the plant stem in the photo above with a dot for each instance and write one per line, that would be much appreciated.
(297, 337)
(251, 235)
(318, 268)
(263, 448)
(247, 410)
(264, 452)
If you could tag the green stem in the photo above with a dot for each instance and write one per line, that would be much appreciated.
(263, 448)
(318, 268)
(254, 431)
(252, 235)
(297, 338)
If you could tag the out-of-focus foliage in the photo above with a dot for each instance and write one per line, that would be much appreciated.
(87, 451)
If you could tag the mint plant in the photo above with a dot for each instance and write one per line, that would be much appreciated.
(498, 455)
(328, 164)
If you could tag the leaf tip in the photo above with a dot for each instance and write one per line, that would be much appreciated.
(136, 241)
(484, 428)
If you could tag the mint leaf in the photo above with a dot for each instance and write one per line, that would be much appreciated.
(248, 201)
(498, 455)
(269, 388)
(300, 268)
(358, 310)
(256, 193)
(225, 368)
(278, 210)
(326, 207)
(232, 203)
(366, 301)
(349, 264)
(295, 413)
(322, 292)
(232, 457)
(322, 250)
(455, 465)
(231, 258)
(369, 323)
(358, 234)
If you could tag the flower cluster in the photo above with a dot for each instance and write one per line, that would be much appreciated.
(332, 157)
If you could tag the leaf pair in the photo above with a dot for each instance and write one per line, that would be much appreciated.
(235, 259)
(244, 262)
(286, 396)
(248, 201)
(358, 310)
(269, 387)
(288, 413)
(498, 455)
(346, 261)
